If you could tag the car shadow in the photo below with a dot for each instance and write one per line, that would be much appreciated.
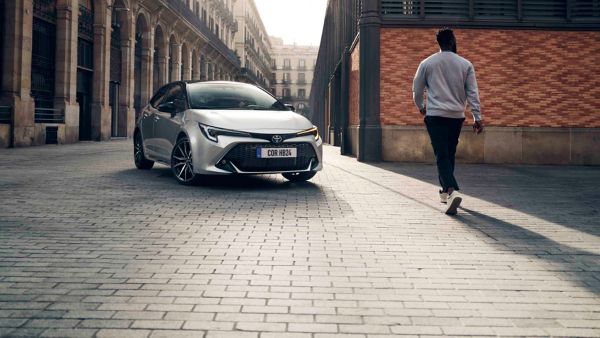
(267, 192)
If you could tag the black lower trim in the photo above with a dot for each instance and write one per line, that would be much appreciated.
(244, 157)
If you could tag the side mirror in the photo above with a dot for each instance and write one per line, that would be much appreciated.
(167, 107)
(290, 107)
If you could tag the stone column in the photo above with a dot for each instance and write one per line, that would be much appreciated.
(369, 130)
(163, 63)
(65, 97)
(101, 113)
(126, 90)
(187, 66)
(147, 64)
(196, 68)
(176, 62)
(345, 142)
(16, 70)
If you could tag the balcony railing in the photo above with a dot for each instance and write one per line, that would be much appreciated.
(301, 82)
(49, 115)
(245, 72)
(181, 9)
(5, 114)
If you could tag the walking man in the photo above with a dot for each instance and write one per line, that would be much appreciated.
(451, 84)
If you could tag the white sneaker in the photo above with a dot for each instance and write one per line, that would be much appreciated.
(443, 197)
(453, 203)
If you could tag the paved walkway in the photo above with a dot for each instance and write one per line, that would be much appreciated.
(89, 246)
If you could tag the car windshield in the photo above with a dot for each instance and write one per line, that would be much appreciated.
(231, 96)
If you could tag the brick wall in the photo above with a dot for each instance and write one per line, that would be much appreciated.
(354, 86)
(527, 78)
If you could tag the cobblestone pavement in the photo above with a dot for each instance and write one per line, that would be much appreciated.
(91, 247)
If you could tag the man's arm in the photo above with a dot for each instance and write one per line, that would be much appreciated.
(473, 93)
(419, 88)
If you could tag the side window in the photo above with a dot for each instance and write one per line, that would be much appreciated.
(159, 96)
(176, 94)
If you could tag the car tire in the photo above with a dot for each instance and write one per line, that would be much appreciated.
(139, 158)
(182, 164)
(299, 177)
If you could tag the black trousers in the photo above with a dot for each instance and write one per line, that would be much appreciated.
(444, 133)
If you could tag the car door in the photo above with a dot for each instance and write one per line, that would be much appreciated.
(168, 123)
(148, 122)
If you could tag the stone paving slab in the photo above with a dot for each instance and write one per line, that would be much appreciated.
(92, 247)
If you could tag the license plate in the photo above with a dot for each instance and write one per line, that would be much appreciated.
(276, 152)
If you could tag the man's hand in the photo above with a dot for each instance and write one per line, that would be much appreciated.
(478, 127)
(423, 111)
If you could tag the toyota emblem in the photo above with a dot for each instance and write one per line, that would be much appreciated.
(277, 139)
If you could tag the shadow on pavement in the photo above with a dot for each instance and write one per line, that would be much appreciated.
(565, 195)
(578, 265)
(219, 193)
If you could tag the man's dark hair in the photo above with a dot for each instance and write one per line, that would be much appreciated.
(445, 38)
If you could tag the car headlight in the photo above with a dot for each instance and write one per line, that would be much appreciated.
(213, 133)
(312, 131)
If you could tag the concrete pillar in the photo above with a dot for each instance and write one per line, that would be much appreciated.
(175, 62)
(101, 113)
(16, 69)
(369, 130)
(126, 94)
(65, 97)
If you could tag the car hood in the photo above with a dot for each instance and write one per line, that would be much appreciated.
(257, 121)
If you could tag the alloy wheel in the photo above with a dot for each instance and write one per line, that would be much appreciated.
(181, 161)
(138, 151)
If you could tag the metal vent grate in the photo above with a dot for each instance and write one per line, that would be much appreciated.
(403, 8)
(585, 8)
(544, 9)
(451, 8)
(496, 8)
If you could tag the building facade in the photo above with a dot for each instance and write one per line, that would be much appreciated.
(252, 45)
(293, 68)
(536, 63)
(83, 69)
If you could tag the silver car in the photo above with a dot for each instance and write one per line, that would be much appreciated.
(223, 128)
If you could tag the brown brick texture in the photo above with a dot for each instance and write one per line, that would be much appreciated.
(354, 86)
(526, 78)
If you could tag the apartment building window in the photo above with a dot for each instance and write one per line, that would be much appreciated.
(287, 64)
(204, 15)
(197, 8)
(273, 77)
(287, 93)
(287, 78)
(301, 106)
(274, 64)
(217, 31)
(301, 93)
(302, 64)
(301, 78)
(211, 24)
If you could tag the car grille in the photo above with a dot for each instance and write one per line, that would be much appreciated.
(243, 156)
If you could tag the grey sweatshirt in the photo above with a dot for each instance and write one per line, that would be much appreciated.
(451, 84)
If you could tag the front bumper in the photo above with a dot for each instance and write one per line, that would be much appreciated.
(237, 155)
